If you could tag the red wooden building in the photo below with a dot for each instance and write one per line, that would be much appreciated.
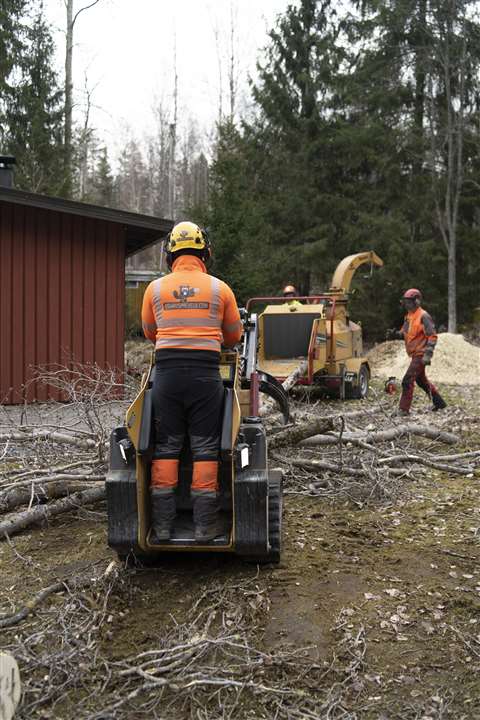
(62, 285)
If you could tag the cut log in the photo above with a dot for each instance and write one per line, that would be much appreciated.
(19, 521)
(293, 377)
(269, 404)
(382, 436)
(299, 432)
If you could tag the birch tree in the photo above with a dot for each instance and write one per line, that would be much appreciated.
(72, 17)
(452, 100)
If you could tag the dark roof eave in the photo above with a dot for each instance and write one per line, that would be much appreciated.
(142, 230)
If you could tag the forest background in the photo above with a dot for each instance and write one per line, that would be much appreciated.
(363, 132)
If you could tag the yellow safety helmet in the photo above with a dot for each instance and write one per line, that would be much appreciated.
(187, 236)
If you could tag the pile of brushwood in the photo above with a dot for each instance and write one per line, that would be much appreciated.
(364, 451)
(53, 457)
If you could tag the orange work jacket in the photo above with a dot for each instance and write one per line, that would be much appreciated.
(418, 332)
(190, 310)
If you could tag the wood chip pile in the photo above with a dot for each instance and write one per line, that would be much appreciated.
(455, 361)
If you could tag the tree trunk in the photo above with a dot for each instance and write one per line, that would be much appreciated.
(68, 99)
(452, 284)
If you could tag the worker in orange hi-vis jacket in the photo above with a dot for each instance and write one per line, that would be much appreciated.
(188, 314)
(418, 332)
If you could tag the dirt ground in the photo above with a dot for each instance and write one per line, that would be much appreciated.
(373, 613)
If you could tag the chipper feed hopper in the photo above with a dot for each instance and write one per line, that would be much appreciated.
(250, 493)
(318, 330)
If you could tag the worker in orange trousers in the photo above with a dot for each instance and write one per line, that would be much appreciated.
(418, 332)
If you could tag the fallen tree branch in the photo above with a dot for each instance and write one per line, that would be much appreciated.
(382, 436)
(19, 521)
(42, 434)
(46, 479)
(394, 459)
(17, 496)
(309, 464)
(10, 620)
(61, 586)
(22, 474)
(457, 456)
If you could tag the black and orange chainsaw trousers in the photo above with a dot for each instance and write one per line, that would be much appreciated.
(187, 400)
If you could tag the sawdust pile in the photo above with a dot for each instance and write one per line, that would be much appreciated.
(455, 361)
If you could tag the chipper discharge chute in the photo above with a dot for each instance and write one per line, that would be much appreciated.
(250, 493)
(317, 329)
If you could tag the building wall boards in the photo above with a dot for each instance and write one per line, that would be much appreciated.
(61, 296)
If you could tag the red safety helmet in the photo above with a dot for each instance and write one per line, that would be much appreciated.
(411, 299)
(412, 294)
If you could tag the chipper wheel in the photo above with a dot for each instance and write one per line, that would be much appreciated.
(360, 389)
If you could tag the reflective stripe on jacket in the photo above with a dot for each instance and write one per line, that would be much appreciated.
(190, 310)
(418, 332)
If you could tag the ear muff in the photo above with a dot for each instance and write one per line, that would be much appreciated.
(207, 252)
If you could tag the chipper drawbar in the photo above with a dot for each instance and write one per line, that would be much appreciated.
(250, 493)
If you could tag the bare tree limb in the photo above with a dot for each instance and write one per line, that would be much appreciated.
(16, 496)
(20, 521)
(383, 436)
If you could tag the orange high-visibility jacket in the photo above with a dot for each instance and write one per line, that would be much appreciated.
(418, 332)
(190, 310)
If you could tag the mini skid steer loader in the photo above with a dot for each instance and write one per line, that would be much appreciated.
(250, 493)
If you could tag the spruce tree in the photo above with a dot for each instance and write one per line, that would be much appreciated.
(35, 117)
(103, 182)
(12, 46)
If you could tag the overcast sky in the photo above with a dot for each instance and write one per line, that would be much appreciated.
(125, 48)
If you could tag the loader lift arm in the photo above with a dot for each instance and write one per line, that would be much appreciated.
(342, 277)
(251, 378)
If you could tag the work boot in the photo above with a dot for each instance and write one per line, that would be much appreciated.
(438, 402)
(163, 514)
(206, 517)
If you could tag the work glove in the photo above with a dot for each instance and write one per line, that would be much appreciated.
(392, 334)
(427, 357)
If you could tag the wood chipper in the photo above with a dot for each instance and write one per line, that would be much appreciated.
(318, 330)
(250, 493)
